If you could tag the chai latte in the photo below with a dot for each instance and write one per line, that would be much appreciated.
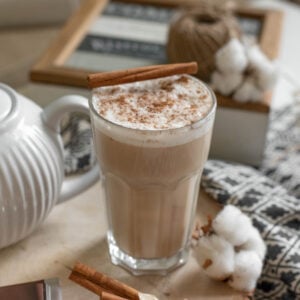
(152, 139)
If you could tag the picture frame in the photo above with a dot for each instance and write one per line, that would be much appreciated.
(54, 66)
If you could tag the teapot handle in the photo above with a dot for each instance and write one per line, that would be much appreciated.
(52, 116)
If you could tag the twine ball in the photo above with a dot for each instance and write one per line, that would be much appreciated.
(197, 34)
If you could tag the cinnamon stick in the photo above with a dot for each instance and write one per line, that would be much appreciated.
(109, 296)
(105, 282)
(140, 74)
(84, 282)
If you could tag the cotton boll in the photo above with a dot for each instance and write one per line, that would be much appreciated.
(232, 57)
(264, 70)
(247, 269)
(217, 82)
(248, 92)
(255, 243)
(216, 256)
(267, 76)
(232, 225)
(143, 296)
(226, 83)
(256, 57)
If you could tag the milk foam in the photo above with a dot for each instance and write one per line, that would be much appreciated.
(193, 114)
(165, 103)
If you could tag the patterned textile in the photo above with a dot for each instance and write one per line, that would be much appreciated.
(282, 156)
(275, 214)
(77, 137)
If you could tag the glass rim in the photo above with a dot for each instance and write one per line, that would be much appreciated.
(193, 125)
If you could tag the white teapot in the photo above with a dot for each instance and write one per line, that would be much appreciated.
(31, 162)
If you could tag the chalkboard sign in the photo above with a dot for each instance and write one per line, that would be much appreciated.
(124, 34)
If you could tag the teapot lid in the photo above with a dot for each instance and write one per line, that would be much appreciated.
(5, 104)
(8, 107)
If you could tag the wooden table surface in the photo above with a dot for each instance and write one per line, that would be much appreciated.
(75, 230)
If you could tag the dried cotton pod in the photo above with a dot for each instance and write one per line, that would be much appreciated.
(264, 70)
(255, 243)
(216, 256)
(143, 296)
(232, 225)
(226, 83)
(247, 269)
(232, 57)
(248, 92)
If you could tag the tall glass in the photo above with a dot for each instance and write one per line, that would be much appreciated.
(151, 180)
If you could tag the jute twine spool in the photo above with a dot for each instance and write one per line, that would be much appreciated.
(197, 34)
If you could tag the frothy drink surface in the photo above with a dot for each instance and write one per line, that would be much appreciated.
(165, 103)
(151, 177)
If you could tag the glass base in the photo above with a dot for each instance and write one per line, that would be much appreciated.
(145, 266)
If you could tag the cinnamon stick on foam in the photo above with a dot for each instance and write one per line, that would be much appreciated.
(106, 283)
(140, 74)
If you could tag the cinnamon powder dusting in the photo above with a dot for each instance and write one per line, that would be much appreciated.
(164, 103)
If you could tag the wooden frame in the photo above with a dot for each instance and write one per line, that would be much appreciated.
(50, 68)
